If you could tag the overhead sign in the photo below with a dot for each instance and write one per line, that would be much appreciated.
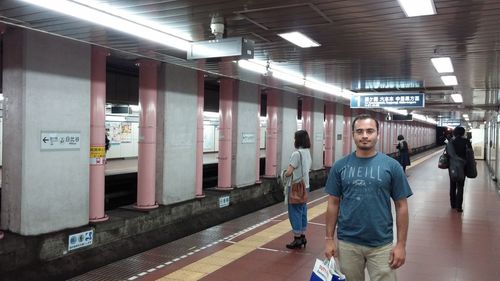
(397, 117)
(399, 100)
(226, 47)
(387, 84)
(50, 140)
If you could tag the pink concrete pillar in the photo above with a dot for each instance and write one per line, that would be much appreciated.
(225, 133)
(97, 134)
(3, 27)
(272, 133)
(146, 174)
(329, 133)
(347, 139)
(307, 109)
(257, 163)
(199, 135)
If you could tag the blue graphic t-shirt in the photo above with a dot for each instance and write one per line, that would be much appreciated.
(365, 187)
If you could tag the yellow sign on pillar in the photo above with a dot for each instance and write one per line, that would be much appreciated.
(97, 152)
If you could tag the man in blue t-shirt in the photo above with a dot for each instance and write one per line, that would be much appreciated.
(360, 188)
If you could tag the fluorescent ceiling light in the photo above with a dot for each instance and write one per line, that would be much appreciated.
(424, 118)
(395, 110)
(299, 39)
(323, 87)
(414, 8)
(116, 22)
(288, 78)
(253, 66)
(457, 98)
(449, 80)
(442, 64)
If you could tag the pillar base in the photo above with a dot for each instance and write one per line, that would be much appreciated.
(105, 218)
(199, 196)
(146, 207)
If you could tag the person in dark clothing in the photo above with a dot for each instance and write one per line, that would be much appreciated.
(404, 154)
(106, 143)
(459, 143)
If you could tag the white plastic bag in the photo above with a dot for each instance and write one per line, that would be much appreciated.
(327, 270)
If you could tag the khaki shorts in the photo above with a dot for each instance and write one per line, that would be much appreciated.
(353, 258)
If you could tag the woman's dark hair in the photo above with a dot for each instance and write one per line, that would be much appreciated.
(400, 137)
(302, 139)
(363, 117)
(459, 131)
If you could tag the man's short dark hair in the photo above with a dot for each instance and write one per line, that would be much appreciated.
(302, 139)
(459, 131)
(363, 117)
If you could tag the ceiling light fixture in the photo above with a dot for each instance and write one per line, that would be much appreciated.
(457, 98)
(414, 8)
(299, 39)
(255, 66)
(449, 80)
(442, 65)
(288, 77)
(105, 18)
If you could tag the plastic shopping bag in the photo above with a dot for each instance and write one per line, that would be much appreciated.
(326, 271)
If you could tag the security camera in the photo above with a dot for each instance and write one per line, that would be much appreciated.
(217, 26)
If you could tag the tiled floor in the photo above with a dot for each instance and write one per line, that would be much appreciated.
(443, 245)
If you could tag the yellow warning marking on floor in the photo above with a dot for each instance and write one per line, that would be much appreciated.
(209, 264)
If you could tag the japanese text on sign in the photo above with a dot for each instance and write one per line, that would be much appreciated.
(81, 239)
(387, 100)
(60, 140)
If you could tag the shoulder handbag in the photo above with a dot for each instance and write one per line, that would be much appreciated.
(444, 161)
(298, 192)
(470, 165)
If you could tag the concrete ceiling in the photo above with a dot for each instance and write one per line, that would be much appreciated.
(362, 42)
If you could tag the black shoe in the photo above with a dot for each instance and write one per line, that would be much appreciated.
(304, 240)
(460, 210)
(296, 243)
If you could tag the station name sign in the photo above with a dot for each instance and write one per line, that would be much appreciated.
(399, 100)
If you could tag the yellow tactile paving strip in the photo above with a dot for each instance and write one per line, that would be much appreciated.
(209, 264)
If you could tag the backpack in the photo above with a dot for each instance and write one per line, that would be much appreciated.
(470, 167)
(457, 164)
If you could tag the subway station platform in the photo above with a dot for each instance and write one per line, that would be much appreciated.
(442, 244)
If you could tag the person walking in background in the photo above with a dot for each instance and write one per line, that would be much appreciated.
(360, 187)
(458, 142)
(298, 168)
(404, 154)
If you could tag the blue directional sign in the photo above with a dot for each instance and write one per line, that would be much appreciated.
(399, 100)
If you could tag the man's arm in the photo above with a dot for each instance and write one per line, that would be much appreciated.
(332, 213)
(398, 254)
